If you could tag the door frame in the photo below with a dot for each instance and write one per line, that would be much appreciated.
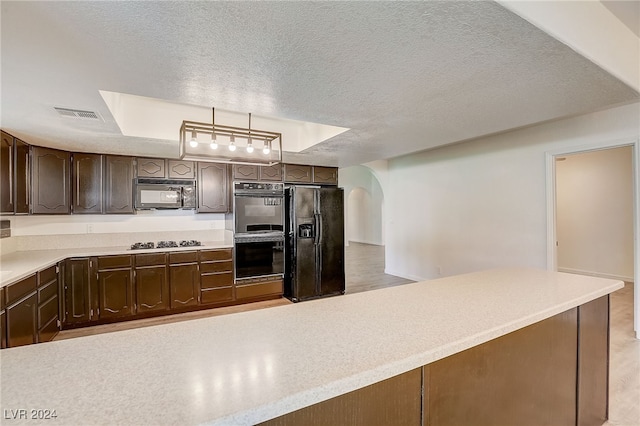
(552, 251)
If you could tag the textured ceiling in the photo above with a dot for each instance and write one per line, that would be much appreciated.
(403, 76)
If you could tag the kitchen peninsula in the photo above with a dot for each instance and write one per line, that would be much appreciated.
(251, 367)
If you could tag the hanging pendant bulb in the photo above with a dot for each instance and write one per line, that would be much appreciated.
(232, 143)
(214, 142)
(267, 148)
(249, 146)
(194, 139)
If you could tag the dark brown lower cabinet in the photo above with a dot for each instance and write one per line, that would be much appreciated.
(259, 289)
(395, 401)
(152, 289)
(553, 372)
(22, 321)
(3, 321)
(216, 276)
(593, 362)
(48, 314)
(115, 290)
(185, 285)
(3, 329)
(77, 291)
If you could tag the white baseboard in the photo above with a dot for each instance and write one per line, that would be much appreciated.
(405, 276)
(595, 274)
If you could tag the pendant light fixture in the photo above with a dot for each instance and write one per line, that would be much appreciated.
(238, 143)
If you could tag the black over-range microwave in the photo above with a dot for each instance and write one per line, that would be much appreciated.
(164, 194)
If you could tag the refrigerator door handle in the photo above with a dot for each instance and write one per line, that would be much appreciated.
(317, 229)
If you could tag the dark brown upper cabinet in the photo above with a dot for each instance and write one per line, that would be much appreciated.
(271, 173)
(14, 167)
(118, 184)
(150, 167)
(213, 188)
(7, 196)
(87, 183)
(177, 169)
(162, 168)
(245, 172)
(325, 175)
(296, 173)
(260, 173)
(51, 177)
(22, 172)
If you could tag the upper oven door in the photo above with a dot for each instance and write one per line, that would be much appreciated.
(258, 214)
(149, 196)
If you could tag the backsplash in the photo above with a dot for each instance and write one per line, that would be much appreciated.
(48, 232)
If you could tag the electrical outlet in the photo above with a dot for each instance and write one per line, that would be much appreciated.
(439, 270)
(89, 228)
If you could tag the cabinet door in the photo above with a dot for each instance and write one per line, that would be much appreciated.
(51, 178)
(150, 167)
(22, 321)
(115, 288)
(3, 321)
(245, 172)
(152, 289)
(181, 169)
(297, 174)
(22, 174)
(3, 331)
(185, 285)
(271, 173)
(7, 201)
(77, 293)
(118, 184)
(213, 191)
(326, 175)
(87, 183)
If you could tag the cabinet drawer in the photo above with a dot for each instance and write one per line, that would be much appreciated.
(216, 295)
(47, 292)
(216, 280)
(112, 262)
(267, 288)
(48, 331)
(46, 276)
(183, 257)
(16, 290)
(224, 254)
(47, 311)
(216, 266)
(151, 259)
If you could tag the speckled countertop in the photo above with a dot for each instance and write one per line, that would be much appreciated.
(17, 265)
(248, 367)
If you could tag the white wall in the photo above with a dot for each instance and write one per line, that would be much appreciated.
(482, 204)
(363, 205)
(594, 213)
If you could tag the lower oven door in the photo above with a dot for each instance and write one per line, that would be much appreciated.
(257, 258)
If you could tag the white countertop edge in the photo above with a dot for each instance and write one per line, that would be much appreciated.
(50, 257)
(348, 384)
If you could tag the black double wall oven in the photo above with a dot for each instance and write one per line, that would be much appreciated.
(258, 231)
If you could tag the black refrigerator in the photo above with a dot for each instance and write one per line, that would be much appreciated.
(314, 242)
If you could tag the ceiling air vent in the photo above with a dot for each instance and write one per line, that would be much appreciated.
(78, 113)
